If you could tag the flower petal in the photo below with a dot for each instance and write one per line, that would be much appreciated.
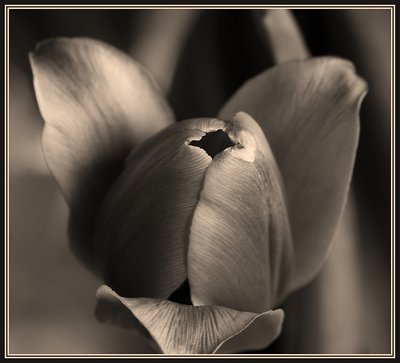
(97, 104)
(184, 329)
(309, 111)
(261, 332)
(240, 250)
(143, 227)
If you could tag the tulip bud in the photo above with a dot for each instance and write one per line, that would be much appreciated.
(176, 214)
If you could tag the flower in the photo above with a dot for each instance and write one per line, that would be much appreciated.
(149, 209)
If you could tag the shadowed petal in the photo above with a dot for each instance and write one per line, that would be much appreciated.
(143, 228)
(240, 251)
(97, 104)
(184, 329)
(309, 112)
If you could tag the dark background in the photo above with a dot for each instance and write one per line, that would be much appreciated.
(52, 298)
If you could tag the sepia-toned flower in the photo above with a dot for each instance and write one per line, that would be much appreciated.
(199, 228)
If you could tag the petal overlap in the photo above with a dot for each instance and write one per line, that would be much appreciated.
(98, 104)
(184, 329)
(142, 233)
(240, 223)
(309, 112)
(157, 208)
(176, 213)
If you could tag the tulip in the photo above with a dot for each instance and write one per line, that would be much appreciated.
(201, 228)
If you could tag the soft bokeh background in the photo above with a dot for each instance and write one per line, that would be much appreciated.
(200, 58)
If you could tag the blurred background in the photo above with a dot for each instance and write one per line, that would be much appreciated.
(206, 56)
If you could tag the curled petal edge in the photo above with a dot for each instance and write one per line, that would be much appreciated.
(184, 329)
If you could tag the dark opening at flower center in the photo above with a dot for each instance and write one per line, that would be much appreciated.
(182, 294)
(213, 142)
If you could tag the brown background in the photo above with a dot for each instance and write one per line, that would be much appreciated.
(52, 297)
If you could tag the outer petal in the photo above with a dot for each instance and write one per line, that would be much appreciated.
(97, 104)
(143, 228)
(184, 329)
(240, 251)
(309, 110)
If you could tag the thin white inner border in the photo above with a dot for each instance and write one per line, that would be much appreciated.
(7, 9)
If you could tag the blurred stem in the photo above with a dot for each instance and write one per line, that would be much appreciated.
(352, 293)
(328, 316)
(340, 293)
(284, 35)
(161, 35)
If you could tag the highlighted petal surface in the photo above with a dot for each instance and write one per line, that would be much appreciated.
(97, 104)
(184, 329)
(309, 112)
(142, 234)
(240, 251)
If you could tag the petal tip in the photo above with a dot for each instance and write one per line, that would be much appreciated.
(357, 86)
(42, 45)
(258, 334)
(43, 48)
(104, 291)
